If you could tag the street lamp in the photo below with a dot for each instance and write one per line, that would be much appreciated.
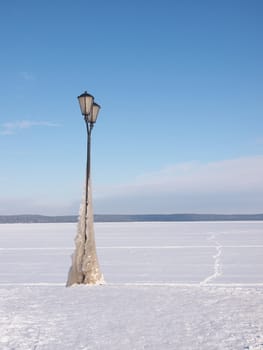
(90, 110)
(88, 107)
(85, 267)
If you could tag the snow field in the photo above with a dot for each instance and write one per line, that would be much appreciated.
(193, 252)
(169, 286)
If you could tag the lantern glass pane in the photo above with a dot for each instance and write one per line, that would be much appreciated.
(85, 103)
(95, 112)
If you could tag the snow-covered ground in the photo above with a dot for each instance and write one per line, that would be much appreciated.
(171, 286)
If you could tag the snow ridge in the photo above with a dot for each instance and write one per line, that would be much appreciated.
(217, 261)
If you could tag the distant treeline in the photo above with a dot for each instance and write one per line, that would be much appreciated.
(11, 219)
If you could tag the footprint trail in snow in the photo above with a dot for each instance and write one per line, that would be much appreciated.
(218, 270)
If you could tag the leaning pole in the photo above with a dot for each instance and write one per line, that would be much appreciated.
(85, 267)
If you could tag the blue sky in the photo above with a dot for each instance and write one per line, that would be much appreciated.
(181, 89)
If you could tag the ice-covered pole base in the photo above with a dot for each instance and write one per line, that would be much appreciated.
(85, 266)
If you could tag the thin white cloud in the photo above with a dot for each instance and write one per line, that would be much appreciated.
(225, 186)
(12, 128)
(233, 175)
(229, 186)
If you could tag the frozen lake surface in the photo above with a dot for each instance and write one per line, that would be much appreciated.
(165, 252)
(169, 285)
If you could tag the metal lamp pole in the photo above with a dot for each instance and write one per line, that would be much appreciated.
(85, 267)
(90, 120)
